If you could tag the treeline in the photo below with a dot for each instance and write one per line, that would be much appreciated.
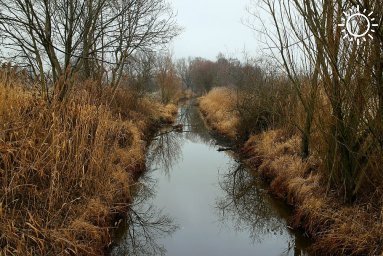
(59, 42)
(262, 90)
(201, 75)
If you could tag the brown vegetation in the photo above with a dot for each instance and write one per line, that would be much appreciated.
(337, 83)
(66, 167)
(337, 227)
(218, 109)
(313, 120)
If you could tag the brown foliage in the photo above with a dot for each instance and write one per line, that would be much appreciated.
(67, 167)
(338, 227)
(217, 107)
(350, 229)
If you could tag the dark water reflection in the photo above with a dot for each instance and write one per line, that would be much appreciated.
(165, 151)
(145, 224)
(194, 200)
(248, 207)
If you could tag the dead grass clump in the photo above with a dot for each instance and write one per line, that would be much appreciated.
(353, 232)
(338, 228)
(67, 167)
(218, 109)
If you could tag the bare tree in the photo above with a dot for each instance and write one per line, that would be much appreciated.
(288, 34)
(183, 70)
(310, 45)
(167, 78)
(82, 36)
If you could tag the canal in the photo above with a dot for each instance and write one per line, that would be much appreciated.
(194, 200)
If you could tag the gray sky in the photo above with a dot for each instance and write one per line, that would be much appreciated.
(212, 26)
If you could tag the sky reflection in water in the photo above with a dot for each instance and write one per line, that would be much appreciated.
(195, 200)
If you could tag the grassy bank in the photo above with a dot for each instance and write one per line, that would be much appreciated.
(66, 168)
(218, 109)
(337, 228)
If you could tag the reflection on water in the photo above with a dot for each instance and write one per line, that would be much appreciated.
(195, 130)
(194, 200)
(165, 151)
(145, 224)
(244, 203)
(248, 206)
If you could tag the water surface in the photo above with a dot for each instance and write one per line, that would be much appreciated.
(194, 200)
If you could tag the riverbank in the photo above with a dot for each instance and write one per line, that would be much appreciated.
(337, 228)
(202, 221)
(66, 168)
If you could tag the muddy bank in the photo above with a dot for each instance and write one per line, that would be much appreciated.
(337, 228)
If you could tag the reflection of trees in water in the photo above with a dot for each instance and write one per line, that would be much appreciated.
(246, 205)
(194, 126)
(165, 151)
(145, 225)
(243, 201)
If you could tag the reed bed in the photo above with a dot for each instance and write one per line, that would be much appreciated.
(218, 109)
(66, 168)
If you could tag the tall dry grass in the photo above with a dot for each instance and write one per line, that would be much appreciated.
(218, 107)
(338, 228)
(66, 167)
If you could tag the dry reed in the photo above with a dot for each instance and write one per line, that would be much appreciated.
(66, 167)
(218, 109)
(338, 228)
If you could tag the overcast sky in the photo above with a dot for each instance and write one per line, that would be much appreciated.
(211, 27)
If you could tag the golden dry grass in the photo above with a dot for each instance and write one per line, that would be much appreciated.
(66, 168)
(218, 109)
(338, 228)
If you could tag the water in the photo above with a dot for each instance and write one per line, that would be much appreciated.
(194, 200)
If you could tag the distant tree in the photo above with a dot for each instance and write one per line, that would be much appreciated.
(140, 72)
(184, 71)
(167, 78)
(203, 73)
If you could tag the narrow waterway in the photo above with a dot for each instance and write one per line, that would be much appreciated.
(194, 200)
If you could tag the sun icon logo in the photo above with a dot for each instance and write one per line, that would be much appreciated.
(357, 25)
